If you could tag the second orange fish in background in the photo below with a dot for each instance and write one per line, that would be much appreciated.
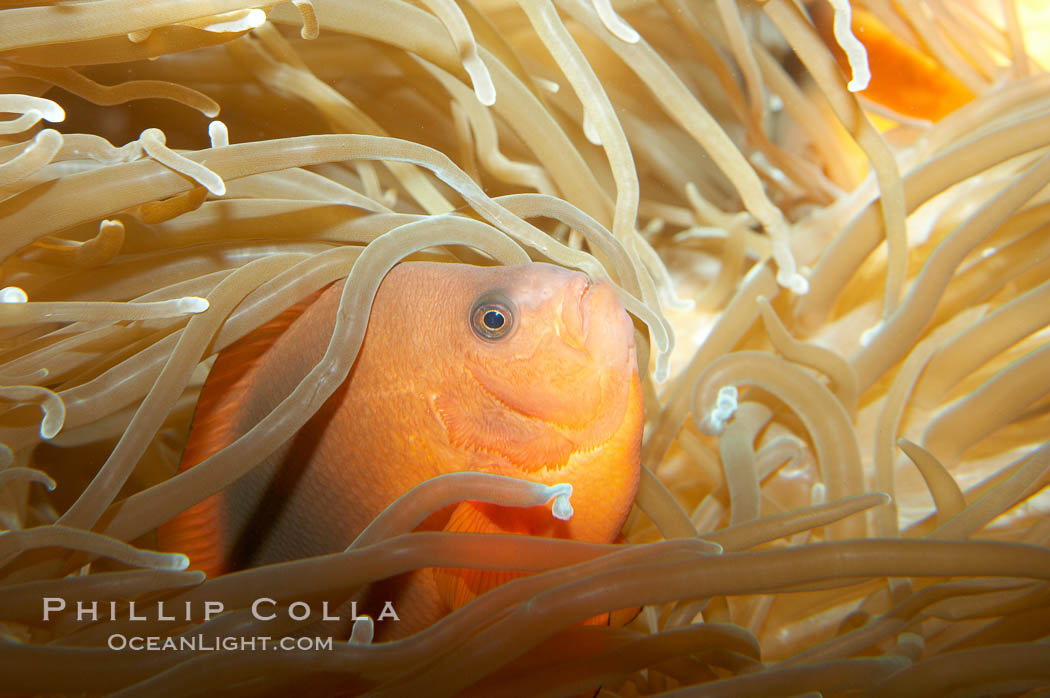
(903, 78)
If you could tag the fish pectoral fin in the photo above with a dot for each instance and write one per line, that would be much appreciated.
(457, 586)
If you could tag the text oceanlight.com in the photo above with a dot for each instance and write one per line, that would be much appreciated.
(199, 643)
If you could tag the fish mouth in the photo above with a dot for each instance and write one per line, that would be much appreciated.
(594, 321)
(575, 318)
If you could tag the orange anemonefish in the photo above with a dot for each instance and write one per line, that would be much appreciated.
(527, 371)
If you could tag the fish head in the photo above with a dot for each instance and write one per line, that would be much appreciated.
(543, 384)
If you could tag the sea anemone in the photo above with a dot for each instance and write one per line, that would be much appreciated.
(841, 307)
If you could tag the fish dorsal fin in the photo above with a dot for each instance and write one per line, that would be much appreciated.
(217, 422)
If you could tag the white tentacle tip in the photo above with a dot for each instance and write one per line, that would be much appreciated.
(561, 507)
(859, 84)
(484, 89)
(48, 138)
(725, 406)
(546, 85)
(51, 424)
(218, 134)
(51, 111)
(13, 294)
(590, 131)
(868, 335)
(363, 631)
(794, 282)
(192, 304)
(308, 16)
(856, 52)
(168, 561)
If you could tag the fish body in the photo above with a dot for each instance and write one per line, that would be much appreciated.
(527, 371)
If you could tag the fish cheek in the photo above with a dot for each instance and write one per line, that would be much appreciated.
(553, 382)
(476, 422)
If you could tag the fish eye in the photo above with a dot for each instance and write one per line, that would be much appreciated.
(492, 318)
